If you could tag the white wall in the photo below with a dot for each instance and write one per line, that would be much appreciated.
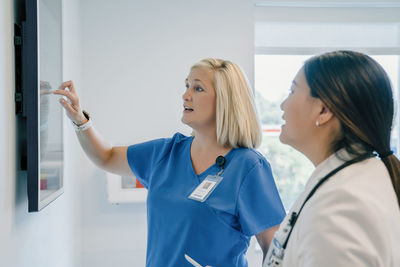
(136, 56)
(49, 238)
(7, 131)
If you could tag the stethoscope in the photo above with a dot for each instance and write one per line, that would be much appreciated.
(278, 249)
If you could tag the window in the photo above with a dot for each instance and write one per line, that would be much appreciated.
(273, 78)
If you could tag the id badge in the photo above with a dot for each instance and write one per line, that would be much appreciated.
(206, 187)
(276, 251)
(277, 254)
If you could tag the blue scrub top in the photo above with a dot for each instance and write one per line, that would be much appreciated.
(215, 232)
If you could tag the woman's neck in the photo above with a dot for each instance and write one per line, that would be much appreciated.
(206, 143)
(316, 151)
(316, 159)
(204, 150)
(321, 145)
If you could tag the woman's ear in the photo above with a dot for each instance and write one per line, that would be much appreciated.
(325, 114)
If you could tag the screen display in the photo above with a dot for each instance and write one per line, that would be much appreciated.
(50, 111)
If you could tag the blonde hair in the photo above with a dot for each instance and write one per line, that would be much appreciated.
(236, 116)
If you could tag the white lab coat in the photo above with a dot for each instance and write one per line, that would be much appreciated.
(353, 219)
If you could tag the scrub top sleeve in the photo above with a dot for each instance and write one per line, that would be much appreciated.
(144, 156)
(259, 206)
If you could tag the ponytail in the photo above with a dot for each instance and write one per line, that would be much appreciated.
(392, 164)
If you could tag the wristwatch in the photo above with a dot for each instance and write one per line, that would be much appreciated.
(86, 125)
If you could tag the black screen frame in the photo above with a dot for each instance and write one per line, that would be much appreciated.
(27, 58)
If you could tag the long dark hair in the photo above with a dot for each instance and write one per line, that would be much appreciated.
(358, 92)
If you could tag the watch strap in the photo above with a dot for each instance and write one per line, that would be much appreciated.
(86, 125)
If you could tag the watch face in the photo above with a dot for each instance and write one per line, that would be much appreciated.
(87, 116)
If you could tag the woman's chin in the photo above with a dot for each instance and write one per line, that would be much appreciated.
(282, 138)
(186, 122)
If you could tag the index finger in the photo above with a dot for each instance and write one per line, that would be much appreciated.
(45, 92)
(69, 85)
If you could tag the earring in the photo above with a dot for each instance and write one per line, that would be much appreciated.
(317, 123)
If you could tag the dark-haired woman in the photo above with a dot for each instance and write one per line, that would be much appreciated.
(339, 114)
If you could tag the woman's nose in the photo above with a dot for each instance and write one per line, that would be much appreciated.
(186, 96)
(282, 104)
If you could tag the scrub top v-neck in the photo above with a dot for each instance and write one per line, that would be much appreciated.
(212, 170)
(217, 231)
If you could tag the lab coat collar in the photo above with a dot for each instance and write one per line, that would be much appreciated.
(330, 163)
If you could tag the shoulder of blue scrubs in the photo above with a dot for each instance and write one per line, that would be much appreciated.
(258, 206)
(249, 159)
(144, 156)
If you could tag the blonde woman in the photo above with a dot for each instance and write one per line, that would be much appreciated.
(207, 193)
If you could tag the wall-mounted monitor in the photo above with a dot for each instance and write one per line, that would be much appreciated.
(38, 50)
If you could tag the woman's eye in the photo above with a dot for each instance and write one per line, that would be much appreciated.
(187, 86)
(291, 91)
(199, 89)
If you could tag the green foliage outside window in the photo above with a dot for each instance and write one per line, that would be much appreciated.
(290, 168)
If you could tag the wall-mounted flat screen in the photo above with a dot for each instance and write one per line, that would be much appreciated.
(39, 70)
